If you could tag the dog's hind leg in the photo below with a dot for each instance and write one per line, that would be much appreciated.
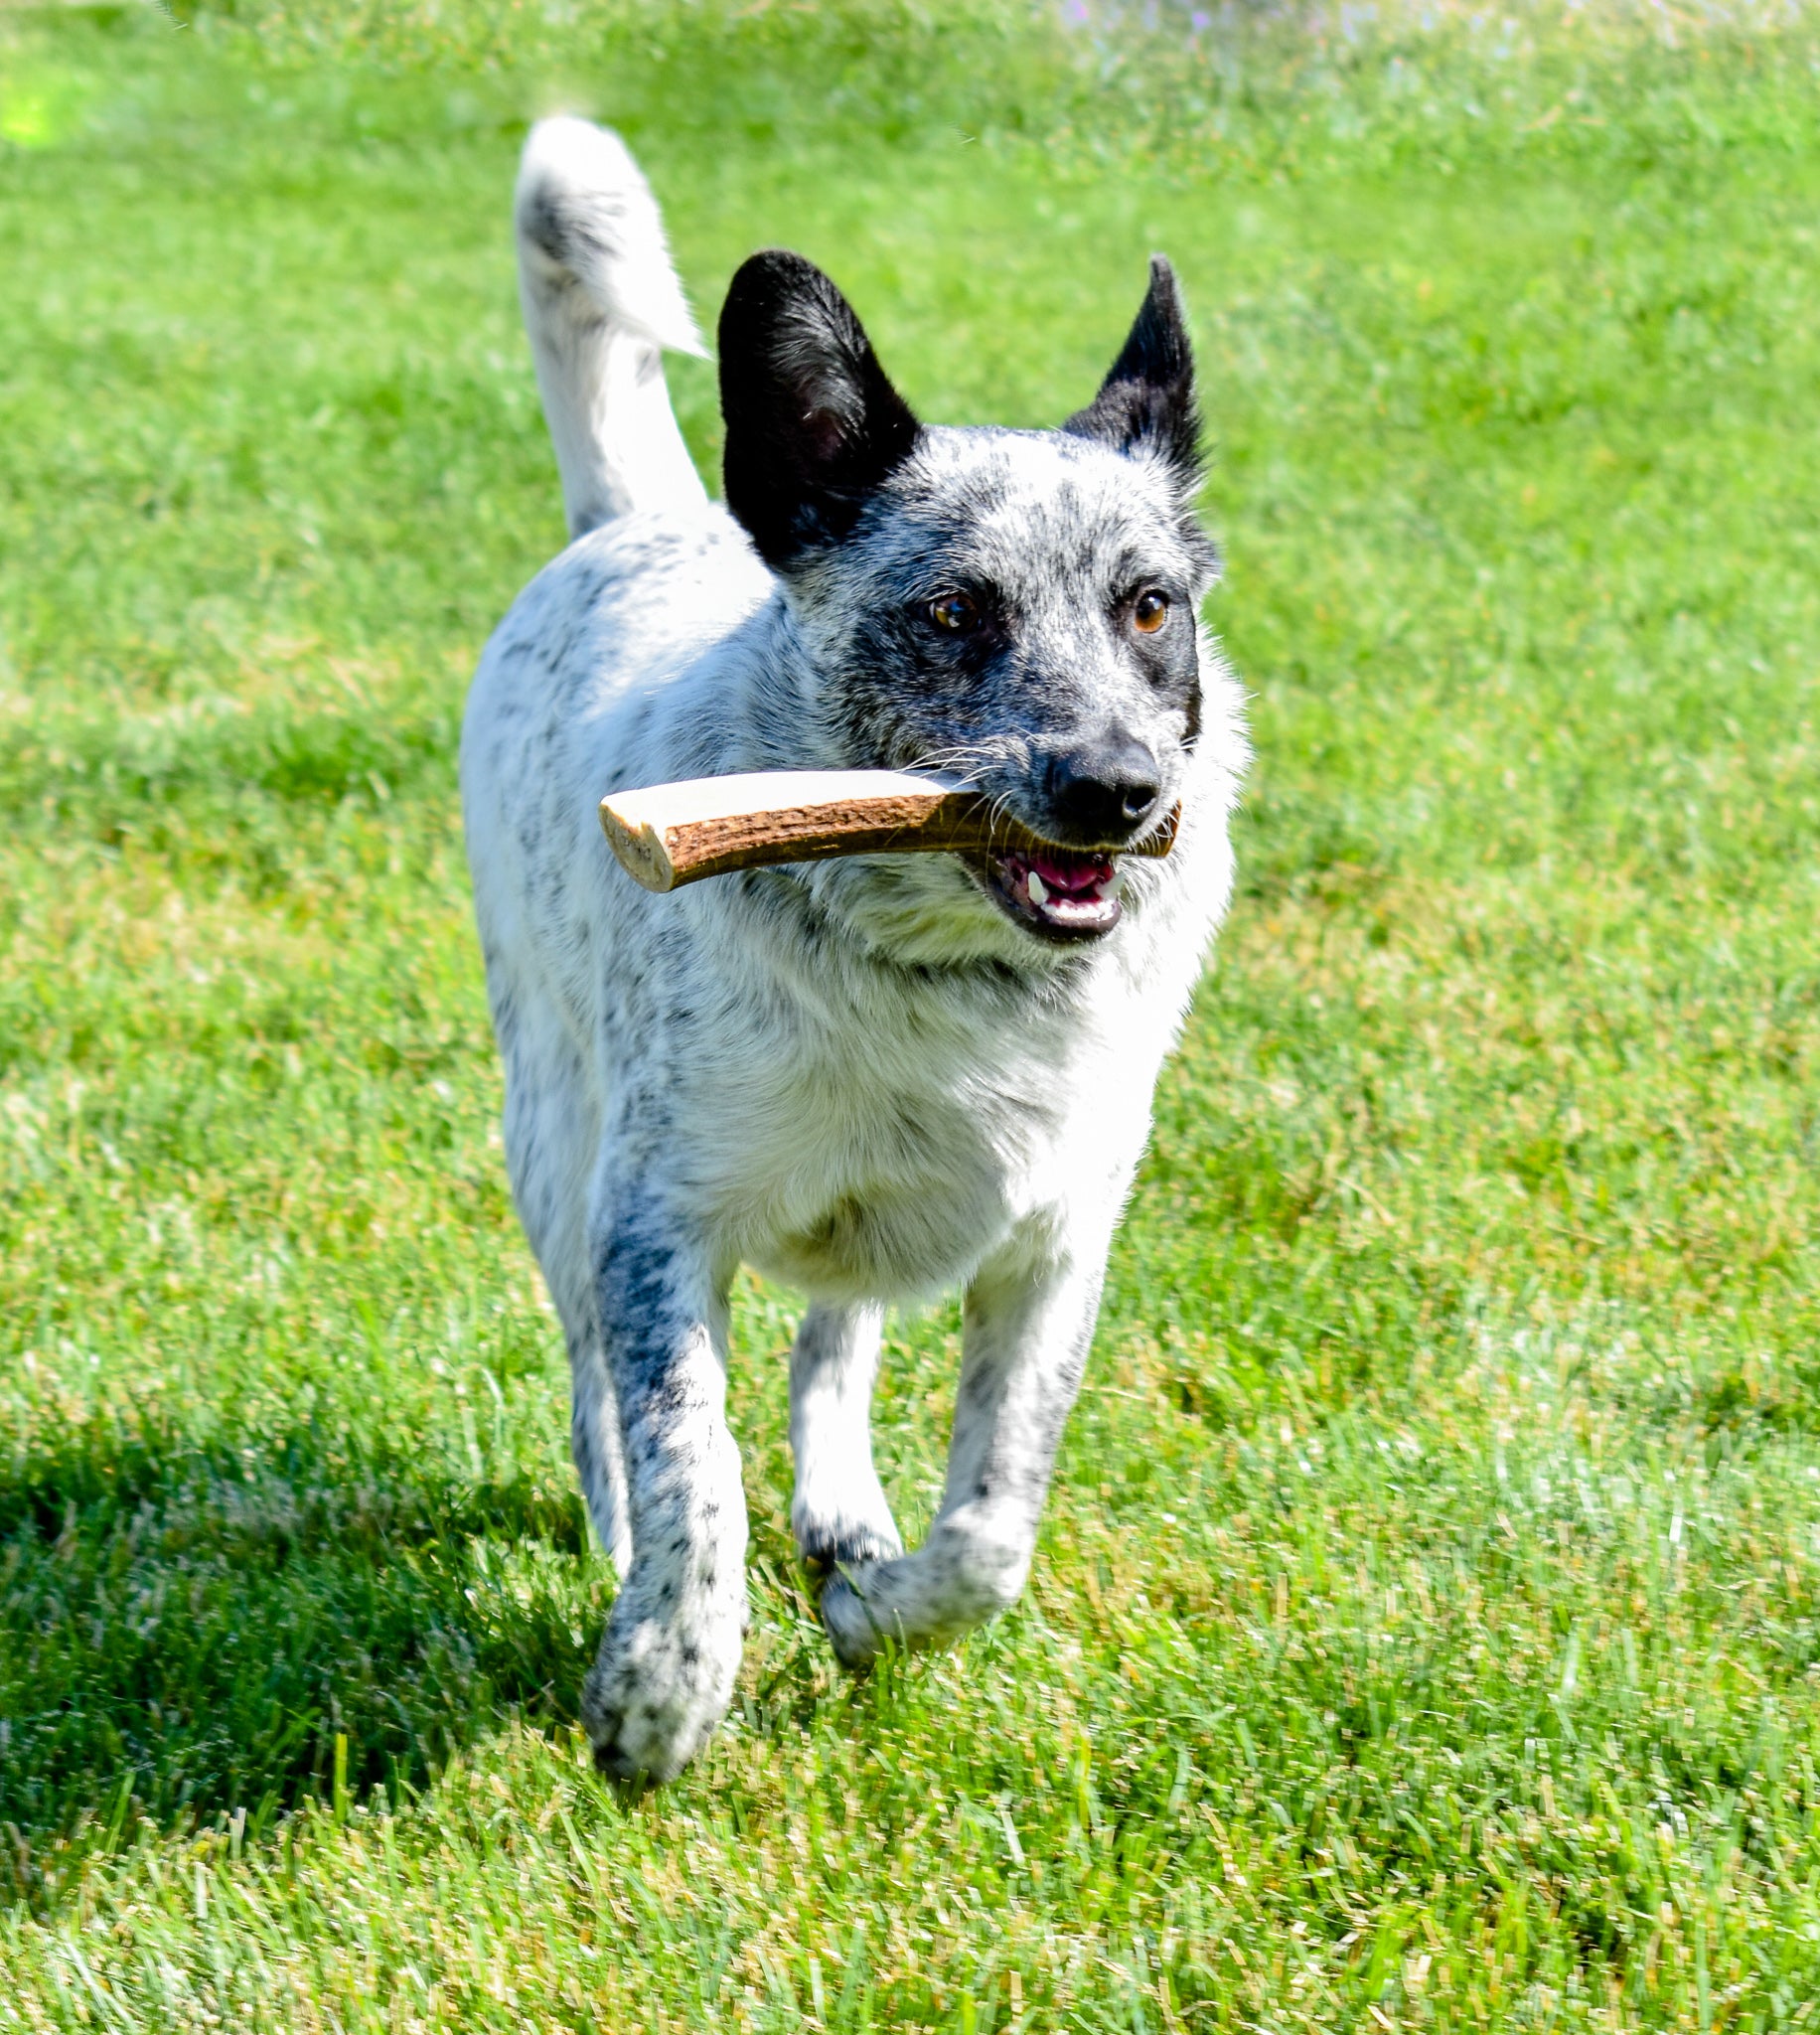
(665, 1671)
(839, 1513)
(551, 1138)
(1029, 1319)
(594, 1442)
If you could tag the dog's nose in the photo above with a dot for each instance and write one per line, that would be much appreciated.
(1106, 793)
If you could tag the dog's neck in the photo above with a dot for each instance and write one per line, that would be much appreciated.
(774, 697)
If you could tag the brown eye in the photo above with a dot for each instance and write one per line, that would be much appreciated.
(1149, 611)
(957, 613)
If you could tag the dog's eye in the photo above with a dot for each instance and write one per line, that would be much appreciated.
(956, 613)
(1149, 611)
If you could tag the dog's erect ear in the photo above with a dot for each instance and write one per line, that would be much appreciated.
(813, 425)
(1146, 401)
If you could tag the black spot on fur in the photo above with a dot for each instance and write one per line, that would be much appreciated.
(544, 223)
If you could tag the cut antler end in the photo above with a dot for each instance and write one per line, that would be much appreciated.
(639, 848)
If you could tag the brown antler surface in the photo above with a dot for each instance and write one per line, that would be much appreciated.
(668, 834)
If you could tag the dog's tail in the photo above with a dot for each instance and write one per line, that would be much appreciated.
(601, 302)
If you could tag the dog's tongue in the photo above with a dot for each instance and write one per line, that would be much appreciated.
(1066, 875)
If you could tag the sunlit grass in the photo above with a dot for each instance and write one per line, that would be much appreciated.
(1424, 1632)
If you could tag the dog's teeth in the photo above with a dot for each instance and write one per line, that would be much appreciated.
(1039, 890)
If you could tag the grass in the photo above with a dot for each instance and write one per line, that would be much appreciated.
(1425, 1631)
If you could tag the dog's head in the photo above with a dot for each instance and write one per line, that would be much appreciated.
(1018, 608)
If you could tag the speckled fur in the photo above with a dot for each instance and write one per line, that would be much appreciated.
(861, 1077)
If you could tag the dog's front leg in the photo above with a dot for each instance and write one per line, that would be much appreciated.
(839, 1513)
(1029, 1319)
(668, 1658)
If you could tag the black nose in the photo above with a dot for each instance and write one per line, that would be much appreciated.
(1103, 795)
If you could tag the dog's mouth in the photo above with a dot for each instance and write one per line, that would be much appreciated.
(1057, 892)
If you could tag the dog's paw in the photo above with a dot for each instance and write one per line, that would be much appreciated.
(657, 1691)
(858, 1615)
(826, 1545)
(843, 1525)
(958, 1578)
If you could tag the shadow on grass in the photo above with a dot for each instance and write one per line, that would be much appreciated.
(186, 1628)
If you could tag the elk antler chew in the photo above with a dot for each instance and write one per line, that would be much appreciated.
(668, 834)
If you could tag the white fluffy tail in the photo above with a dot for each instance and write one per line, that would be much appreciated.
(601, 302)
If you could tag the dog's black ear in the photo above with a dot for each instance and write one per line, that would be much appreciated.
(1146, 401)
(813, 425)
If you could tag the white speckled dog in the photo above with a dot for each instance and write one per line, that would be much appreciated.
(871, 1079)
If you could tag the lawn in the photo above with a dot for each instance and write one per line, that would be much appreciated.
(1426, 1631)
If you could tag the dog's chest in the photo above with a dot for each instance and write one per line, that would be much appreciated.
(890, 1156)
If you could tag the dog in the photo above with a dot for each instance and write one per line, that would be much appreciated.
(872, 1080)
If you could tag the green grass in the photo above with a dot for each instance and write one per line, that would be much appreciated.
(1426, 1631)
